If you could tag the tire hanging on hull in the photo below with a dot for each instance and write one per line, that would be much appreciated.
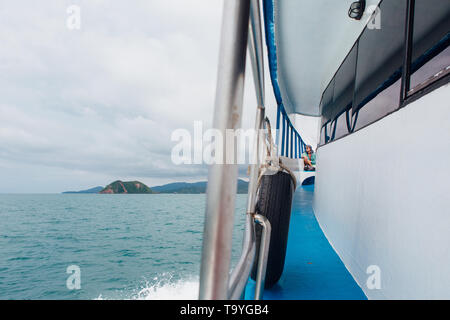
(274, 202)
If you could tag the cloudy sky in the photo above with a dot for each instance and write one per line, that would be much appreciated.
(81, 108)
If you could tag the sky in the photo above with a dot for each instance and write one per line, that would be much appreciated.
(83, 107)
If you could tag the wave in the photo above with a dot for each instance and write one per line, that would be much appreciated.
(164, 288)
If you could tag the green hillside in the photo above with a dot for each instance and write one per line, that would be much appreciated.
(194, 187)
(129, 187)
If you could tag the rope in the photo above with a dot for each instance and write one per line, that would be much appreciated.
(272, 163)
(294, 178)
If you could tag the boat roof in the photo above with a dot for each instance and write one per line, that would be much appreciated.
(312, 39)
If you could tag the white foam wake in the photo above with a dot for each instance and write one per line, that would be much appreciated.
(165, 288)
(178, 290)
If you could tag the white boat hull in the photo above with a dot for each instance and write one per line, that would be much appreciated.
(382, 198)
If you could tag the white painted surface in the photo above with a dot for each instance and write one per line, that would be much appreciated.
(297, 167)
(303, 175)
(308, 127)
(382, 197)
(294, 165)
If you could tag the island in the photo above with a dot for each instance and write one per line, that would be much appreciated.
(194, 187)
(91, 190)
(129, 187)
(137, 187)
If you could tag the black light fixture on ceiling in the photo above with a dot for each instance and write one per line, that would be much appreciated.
(356, 10)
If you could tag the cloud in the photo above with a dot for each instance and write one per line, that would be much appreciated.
(101, 102)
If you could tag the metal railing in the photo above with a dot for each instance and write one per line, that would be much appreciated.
(292, 144)
(222, 178)
(239, 17)
(263, 255)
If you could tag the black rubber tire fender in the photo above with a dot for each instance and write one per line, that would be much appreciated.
(275, 203)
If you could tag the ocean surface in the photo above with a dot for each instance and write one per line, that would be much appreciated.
(125, 246)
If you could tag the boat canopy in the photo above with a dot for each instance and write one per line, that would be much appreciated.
(307, 41)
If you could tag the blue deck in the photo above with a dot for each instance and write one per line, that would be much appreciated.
(312, 269)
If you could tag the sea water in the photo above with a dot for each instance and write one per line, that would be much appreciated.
(124, 246)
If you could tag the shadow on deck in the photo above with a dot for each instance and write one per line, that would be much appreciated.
(312, 268)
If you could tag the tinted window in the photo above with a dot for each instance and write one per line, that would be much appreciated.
(322, 136)
(341, 126)
(373, 91)
(344, 84)
(385, 102)
(430, 52)
(327, 102)
(332, 129)
(380, 56)
(328, 131)
(351, 119)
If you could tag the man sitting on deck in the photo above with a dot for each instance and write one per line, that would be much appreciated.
(309, 158)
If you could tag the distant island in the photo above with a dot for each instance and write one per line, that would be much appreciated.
(91, 190)
(193, 188)
(131, 187)
(137, 187)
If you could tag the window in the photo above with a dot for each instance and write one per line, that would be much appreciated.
(325, 133)
(327, 102)
(332, 129)
(430, 51)
(367, 86)
(341, 126)
(351, 120)
(380, 60)
(344, 84)
(385, 102)
(322, 136)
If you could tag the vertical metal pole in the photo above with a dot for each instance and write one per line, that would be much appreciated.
(256, 54)
(278, 127)
(263, 255)
(292, 143)
(240, 274)
(288, 127)
(283, 137)
(299, 147)
(222, 178)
